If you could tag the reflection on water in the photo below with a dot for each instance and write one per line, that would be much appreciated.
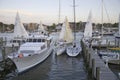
(56, 68)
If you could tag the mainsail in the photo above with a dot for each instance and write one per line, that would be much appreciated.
(19, 30)
(66, 32)
(88, 27)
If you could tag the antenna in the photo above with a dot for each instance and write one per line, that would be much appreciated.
(59, 12)
(102, 18)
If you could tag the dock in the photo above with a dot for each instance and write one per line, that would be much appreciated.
(100, 70)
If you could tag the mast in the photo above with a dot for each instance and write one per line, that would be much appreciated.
(74, 19)
(59, 12)
(102, 18)
(119, 24)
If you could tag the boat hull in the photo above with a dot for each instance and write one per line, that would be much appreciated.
(74, 51)
(26, 63)
(60, 51)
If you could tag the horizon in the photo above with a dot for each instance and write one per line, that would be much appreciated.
(47, 11)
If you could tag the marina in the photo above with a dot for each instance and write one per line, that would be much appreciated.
(38, 47)
(63, 67)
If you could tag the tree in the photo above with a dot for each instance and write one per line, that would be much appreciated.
(115, 25)
(53, 26)
(1, 26)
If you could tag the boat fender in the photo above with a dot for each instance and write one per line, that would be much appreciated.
(20, 55)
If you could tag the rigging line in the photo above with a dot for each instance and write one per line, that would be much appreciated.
(106, 12)
(102, 16)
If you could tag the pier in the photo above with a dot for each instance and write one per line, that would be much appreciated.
(100, 70)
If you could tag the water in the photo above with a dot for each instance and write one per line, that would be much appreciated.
(56, 68)
(0, 55)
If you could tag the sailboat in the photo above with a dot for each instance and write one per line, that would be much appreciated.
(74, 49)
(19, 34)
(65, 38)
(88, 28)
(87, 36)
(40, 30)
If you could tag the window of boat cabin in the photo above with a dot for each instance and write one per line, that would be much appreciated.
(43, 40)
(18, 41)
(29, 40)
(14, 41)
(23, 41)
(39, 40)
(42, 47)
(35, 40)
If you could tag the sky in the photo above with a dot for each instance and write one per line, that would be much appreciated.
(47, 11)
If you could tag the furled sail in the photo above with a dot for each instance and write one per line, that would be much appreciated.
(19, 30)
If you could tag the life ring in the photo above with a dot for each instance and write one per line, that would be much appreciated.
(20, 55)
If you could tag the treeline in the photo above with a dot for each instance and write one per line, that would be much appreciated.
(6, 27)
(79, 26)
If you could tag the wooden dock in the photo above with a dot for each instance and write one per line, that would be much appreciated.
(100, 70)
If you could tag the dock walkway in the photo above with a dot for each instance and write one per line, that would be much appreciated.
(100, 70)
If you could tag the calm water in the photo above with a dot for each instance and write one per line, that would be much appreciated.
(56, 68)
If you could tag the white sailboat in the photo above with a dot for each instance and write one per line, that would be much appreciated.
(74, 49)
(65, 38)
(34, 51)
(40, 30)
(87, 37)
(19, 30)
(88, 28)
(19, 34)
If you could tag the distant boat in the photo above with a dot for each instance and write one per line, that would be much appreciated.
(34, 51)
(117, 36)
(65, 38)
(19, 34)
(39, 31)
(75, 48)
(109, 55)
(100, 40)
